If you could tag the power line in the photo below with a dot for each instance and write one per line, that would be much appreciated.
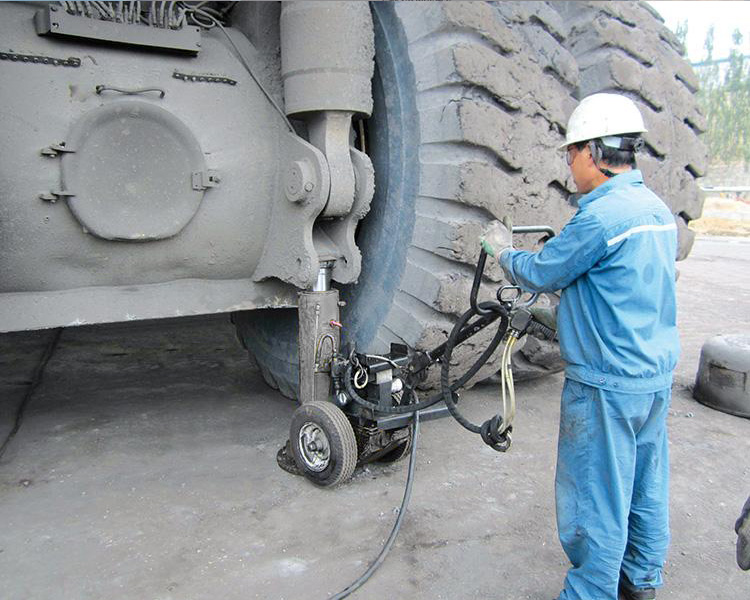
(716, 61)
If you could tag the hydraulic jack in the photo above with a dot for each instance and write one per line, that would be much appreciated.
(358, 407)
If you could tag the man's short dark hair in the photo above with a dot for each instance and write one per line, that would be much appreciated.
(613, 157)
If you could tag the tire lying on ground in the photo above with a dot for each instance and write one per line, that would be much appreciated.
(625, 47)
(468, 113)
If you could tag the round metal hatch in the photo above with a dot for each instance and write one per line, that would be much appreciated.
(131, 172)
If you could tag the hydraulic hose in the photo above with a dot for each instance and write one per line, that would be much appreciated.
(447, 390)
(397, 526)
(493, 433)
(415, 408)
(434, 399)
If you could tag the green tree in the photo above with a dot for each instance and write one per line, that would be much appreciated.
(725, 100)
(681, 32)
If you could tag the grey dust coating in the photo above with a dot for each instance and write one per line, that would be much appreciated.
(723, 379)
(145, 468)
(146, 173)
(132, 193)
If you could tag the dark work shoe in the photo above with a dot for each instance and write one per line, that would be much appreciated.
(742, 528)
(630, 593)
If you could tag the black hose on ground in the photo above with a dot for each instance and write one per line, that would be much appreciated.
(446, 393)
(397, 526)
(36, 379)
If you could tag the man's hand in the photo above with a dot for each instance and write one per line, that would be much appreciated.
(496, 238)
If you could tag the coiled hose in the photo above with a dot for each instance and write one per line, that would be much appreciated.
(434, 399)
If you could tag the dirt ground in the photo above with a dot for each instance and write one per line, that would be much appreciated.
(144, 469)
(723, 216)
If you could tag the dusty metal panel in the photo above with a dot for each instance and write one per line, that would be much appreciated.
(132, 171)
(53, 270)
(44, 247)
(41, 310)
(54, 21)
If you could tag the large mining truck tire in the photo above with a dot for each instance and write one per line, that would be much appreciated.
(625, 47)
(471, 101)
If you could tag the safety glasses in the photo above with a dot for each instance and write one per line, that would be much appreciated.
(569, 156)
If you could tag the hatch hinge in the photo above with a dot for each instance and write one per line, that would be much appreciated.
(56, 149)
(202, 180)
(54, 196)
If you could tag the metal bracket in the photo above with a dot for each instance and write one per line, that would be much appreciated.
(329, 132)
(54, 196)
(202, 180)
(203, 78)
(341, 231)
(53, 20)
(54, 150)
(289, 253)
(36, 59)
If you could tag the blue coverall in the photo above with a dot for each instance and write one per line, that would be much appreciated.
(615, 264)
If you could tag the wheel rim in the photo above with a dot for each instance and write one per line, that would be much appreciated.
(314, 447)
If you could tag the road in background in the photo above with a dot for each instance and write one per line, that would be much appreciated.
(145, 469)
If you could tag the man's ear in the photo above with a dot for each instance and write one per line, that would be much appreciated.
(595, 151)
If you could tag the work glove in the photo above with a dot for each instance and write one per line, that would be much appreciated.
(496, 239)
(742, 528)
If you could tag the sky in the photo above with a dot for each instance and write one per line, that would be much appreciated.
(726, 16)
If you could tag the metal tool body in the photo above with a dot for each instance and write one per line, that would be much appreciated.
(375, 396)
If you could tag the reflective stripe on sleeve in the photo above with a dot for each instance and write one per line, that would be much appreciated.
(640, 229)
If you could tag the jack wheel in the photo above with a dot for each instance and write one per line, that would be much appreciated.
(323, 443)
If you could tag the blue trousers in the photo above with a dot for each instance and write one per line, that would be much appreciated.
(612, 489)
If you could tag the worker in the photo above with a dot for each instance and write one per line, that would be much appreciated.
(615, 264)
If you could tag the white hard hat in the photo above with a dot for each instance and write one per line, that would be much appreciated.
(603, 115)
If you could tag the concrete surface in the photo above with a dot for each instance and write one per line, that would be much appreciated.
(144, 469)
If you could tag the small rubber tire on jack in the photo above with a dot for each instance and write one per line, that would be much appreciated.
(323, 443)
